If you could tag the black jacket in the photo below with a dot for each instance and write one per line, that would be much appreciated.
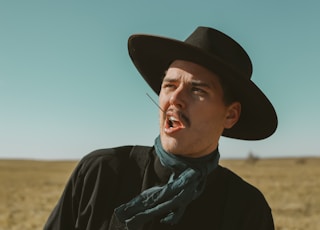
(107, 178)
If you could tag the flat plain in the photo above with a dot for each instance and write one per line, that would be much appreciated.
(30, 189)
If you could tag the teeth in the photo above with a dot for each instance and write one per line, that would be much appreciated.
(172, 119)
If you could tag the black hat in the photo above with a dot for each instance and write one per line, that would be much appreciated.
(216, 51)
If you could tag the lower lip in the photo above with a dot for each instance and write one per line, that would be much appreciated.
(172, 130)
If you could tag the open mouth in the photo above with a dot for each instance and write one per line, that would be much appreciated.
(173, 124)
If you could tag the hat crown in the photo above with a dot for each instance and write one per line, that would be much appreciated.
(221, 46)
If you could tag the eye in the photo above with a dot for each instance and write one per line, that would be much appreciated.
(198, 91)
(168, 86)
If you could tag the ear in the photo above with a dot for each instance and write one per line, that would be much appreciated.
(232, 115)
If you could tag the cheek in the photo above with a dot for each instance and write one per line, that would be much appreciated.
(161, 117)
(162, 108)
(211, 119)
(161, 100)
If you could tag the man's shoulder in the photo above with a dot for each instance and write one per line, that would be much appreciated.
(245, 206)
(114, 157)
(242, 188)
(108, 153)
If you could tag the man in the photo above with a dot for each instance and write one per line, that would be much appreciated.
(204, 91)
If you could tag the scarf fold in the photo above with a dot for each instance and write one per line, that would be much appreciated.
(185, 184)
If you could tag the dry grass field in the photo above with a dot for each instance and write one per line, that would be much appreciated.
(30, 189)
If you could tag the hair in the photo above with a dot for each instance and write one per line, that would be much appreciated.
(228, 95)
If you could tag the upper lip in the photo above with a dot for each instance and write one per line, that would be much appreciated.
(176, 115)
(173, 115)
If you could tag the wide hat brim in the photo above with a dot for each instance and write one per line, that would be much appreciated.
(152, 56)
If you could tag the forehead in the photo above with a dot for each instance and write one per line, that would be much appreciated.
(185, 70)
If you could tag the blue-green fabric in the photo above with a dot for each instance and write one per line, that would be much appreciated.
(186, 183)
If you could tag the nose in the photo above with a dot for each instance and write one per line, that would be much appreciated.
(178, 97)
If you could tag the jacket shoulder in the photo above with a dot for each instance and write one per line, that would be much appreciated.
(246, 205)
(114, 158)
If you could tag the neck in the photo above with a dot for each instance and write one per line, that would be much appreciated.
(171, 147)
(181, 162)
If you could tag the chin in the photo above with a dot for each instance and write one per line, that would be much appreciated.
(168, 143)
(171, 145)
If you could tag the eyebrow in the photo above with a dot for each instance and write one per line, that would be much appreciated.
(169, 79)
(196, 83)
(201, 84)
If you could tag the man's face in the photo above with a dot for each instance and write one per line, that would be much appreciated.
(194, 114)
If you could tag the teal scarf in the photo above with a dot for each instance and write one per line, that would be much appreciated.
(186, 183)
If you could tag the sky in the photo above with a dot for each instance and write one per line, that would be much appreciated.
(68, 86)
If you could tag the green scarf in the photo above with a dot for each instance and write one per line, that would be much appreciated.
(186, 183)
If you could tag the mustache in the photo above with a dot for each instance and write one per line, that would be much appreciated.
(180, 114)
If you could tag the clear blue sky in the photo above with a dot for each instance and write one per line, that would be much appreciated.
(67, 84)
